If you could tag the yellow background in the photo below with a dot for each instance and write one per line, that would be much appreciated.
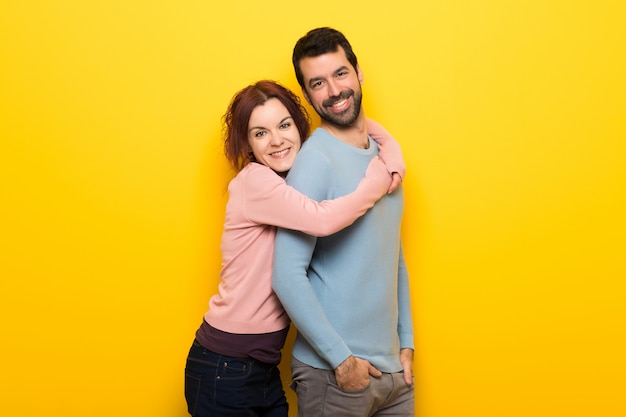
(112, 178)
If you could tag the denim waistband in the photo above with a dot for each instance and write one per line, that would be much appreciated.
(216, 357)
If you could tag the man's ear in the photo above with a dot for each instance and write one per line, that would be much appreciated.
(359, 74)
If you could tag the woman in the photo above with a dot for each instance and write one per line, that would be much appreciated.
(232, 365)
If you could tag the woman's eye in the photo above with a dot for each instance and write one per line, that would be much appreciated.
(285, 125)
(260, 133)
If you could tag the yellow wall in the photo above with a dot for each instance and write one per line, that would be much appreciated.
(112, 179)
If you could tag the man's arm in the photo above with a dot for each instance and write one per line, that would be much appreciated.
(311, 175)
(405, 321)
(292, 255)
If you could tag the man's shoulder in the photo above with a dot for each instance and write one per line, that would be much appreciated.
(319, 140)
(320, 131)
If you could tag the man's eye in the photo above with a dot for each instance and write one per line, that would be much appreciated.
(316, 84)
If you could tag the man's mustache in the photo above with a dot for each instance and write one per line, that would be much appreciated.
(342, 96)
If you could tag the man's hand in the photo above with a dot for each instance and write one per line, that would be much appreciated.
(406, 360)
(396, 180)
(353, 373)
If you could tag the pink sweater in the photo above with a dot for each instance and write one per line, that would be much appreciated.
(259, 201)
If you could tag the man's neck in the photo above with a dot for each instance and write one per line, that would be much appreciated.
(354, 134)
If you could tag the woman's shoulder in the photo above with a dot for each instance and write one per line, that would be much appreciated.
(255, 175)
(254, 168)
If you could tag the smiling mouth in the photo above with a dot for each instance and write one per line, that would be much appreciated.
(339, 101)
(280, 153)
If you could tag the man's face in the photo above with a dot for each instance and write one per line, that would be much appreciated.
(333, 87)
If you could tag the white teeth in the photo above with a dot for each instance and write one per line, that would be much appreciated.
(280, 153)
(340, 103)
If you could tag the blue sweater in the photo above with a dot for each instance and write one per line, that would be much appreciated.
(346, 293)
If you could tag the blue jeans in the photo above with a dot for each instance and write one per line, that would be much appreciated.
(218, 385)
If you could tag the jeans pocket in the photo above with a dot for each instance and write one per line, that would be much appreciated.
(342, 402)
(233, 369)
(193, 384)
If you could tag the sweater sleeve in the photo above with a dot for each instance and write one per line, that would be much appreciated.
(269, 200)
(292, 257)
(390, 151)
(405, 320)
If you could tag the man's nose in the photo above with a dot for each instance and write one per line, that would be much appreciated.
(333, 89)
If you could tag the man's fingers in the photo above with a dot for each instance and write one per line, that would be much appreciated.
(373, 371)
(408, 376)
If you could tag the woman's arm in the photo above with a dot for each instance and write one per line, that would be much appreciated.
(267, 199)
(390, 151)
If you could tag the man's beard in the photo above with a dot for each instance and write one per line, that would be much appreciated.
(345, 118)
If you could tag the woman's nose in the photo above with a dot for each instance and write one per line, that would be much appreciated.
(277, 139)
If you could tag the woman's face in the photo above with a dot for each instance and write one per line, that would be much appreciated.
(273, 137)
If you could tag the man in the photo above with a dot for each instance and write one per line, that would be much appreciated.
(347, 293)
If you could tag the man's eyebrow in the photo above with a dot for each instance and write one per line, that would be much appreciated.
(335, 72)
(341, 68)
(315, 79)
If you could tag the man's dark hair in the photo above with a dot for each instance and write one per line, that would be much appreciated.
(318, 42)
